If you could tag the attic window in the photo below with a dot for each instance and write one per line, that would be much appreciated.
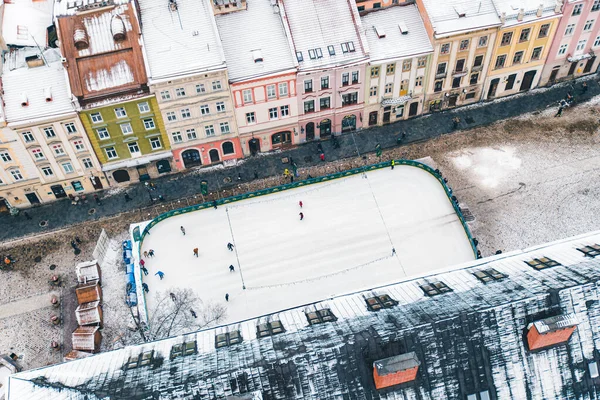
(140, 360)
(183, 349)
(376, 303)
(344, 47)
(299, 56)
(320, 316)
(228, 339)
(488, 275)
(433, 289)
(542, 263)
(331, 50)
(403, 28)
(351, 47)
(269, 329)
(257, 56)
(311, 54)
(379, 31)
(590, 251)
(319, 52)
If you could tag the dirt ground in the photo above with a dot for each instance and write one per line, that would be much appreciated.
(527, 181)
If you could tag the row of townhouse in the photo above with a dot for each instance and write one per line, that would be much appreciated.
(127, 90)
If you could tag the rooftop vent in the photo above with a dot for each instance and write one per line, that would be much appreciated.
(117, 27)
(172, 5)
(80, 37)
(403, 28)
(551, 331)
(460, 12)
(34, 61)
(379, 31)
(24, 100)
(48, 94)
(395, 370)
(257, 56)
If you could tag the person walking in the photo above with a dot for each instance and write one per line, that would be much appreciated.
(127, 197)
(226, 296)
(455, 122)
(151, 253)
(584, 87)
(196, 252)
(230, 246)
(145, 254)
(145, 287)
(98, 201)
(300, 203)
(160, 275)
(231, 268)
(393, 250)
(559, 112)
(26, 214)
(182, 230)
(173, 296)
(301, 216)
(322, 157)
(144, 270)
(193, 313)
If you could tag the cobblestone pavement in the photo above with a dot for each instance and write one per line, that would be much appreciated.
(185, 185)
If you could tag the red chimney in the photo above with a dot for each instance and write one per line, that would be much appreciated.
(551, 331)
(395, 370)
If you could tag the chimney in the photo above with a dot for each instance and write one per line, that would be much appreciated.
(551, 331)
(24, 100)
(540, 9)
(48, 94)
(521, 14)
(395, 370)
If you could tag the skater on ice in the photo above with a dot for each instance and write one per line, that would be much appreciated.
(144, 270)
(193, 313)
(145, 287)
(301, 216)
(300, 203)
(393, 250)
(142, 263)
(182, 230)
(226, 296)
(151, 253)
(231, 268)
(145, 254)
(230, 246)
(160, 275)
(196, 252)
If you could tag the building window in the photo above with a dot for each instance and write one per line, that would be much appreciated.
(79, 146)
(216, 85)
(345, 79)
(320, 316)
(224, 126)
(544, 29)
(390, 69)
(68, 168)
(324, 103)
(376, 303)
(37, 154)
(588, 25)
(191, 134)
(373, 91)
(70, 127)
(283, 89)
(185, 113)
(441, 68)
(176, 137)
(58, 150)
(227, 148)
(285, 111)
(596, 5)
(445, 48)
(87, 163)
(149, 124)
(473, 80)
(28, 137)
(220, 106)
(250, 118)
(399, 111)
(180, 92)
(308, 88)
(464, 45)
(581, 45)
(140, 360)
(143, 107)
(331, 49)
(273, 113)
(482, 42)
(536, 53)
(542, 263)
(563, 49)
(374, 72)
(16, 174)
(165, 95)
(524, 36)
(569, 30)
(47, 171)
(96, 118)
(421, 62)
(437, 87)
(209, 130)
(597, 41)
(269, 329)
(204, 109)
(518, 57)
(489, 275)
(577, 9)
(103, 133)
(155, 143)
(200, 88)
(435, 288)
(134, 149)
(456, 82)
(500, 61)
(183, 349)
(354, 77)
(460, 65)
(389, 88)
(350, 98)
(309, 106)
(247, 94)
(418, 81)
(325, 82)
(171, 116)
(228, 339)
(120, 112)
(478, 62)
(49, 131)
(506, 39)
(271, 92)
(5, 156)
(406, 65)
(126, 128)
(592, 250)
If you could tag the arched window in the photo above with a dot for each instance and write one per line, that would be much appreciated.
(227, 148)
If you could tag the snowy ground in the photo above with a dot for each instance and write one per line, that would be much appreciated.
(344, 243)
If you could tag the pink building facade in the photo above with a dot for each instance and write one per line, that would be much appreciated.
(573, 51)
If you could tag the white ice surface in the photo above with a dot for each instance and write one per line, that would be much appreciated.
(344, 244)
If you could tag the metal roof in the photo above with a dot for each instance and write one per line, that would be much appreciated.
(450, 17)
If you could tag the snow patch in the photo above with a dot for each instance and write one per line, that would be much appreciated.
(119, 74)
(491, 166)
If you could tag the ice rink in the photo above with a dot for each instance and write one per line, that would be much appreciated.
(344, 244)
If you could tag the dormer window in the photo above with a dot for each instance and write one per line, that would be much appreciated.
(591, 250)
(312, 54)
(376, 303)
(228, 339)
(257, 56)
(435, 288)
(331, 50)
(320, 316)
(379, 31)
(542, 263)
(269, 329)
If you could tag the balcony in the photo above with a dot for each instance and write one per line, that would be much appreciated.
(477, 68)
(460, 73)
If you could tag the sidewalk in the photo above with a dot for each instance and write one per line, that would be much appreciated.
(179, 186)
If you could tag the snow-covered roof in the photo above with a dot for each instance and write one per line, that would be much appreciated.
(317, 24)
(263, 31)
(24, 22)
(467, 340)
(449, 17)
(383, 30)
(187, 34)
(511, 9)
(34, 86)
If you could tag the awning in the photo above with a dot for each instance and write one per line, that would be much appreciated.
(395, 101)
(134, 162)
(580, 57)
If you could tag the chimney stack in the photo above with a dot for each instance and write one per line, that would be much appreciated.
(395, 370)
(540, 10)
(521, 14)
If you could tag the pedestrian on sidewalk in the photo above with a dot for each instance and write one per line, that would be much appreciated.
(455, 122)
(145, 287)
(231, 268)
(151, 253)
(230, 246)
(322, 156)
(301, 216)
(226, 296)
(393, 250)
(196, 252)
(144, 270)
(584, 87)
(26, 214)
(160, 275)
(98, 201)
(182, 230)
(145, 254)
(127, 197)
(559, 112)
(173, 296)
(193, 313)
(300, 203)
